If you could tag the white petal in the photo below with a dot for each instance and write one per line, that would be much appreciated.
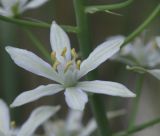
(8, 3)
(74, 121)
(89, 129)
(2, 12)
(4, 117)
(38, 116)
(31, 62)
(92, 125)
(59, 40)
(2, 134)
(158, 41)
(23, 2)
(37, 93)
(100, 54)
(34, 4)
(105, 87)
(155, 73)
(76, 98)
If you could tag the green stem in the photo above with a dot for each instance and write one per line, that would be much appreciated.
(85, 46)
(99, 8)
(34, 24)
(8, 70)
(138, 128)
(38, 44)
(139, 85)
(144, 25)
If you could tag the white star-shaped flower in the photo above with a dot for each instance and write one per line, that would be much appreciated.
(141, 56)
(37, 118)
(16, 7)
(140, 53)
(67, 71)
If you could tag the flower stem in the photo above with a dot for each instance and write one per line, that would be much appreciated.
(138, 128)
(144, 25)
(99, 8)
(36, 24)
(85, 46)
(38, 44)
(139, 85)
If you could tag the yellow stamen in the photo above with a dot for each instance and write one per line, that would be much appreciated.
(69, 63)
(55, 65)
(78, 64)
(53, 55)
(74, 54)
(13, 124)
(64, 52)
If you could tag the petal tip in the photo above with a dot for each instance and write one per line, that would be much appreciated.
(131, 94)
(7, 48)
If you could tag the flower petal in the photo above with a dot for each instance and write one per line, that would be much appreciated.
(100, 54)
(31, 62)
(158, 41)
(89, 129)
(4, 117)
(34, 4)
(2, 12)
(76, 98)
(37, 93)
(155, 73)
(92, 125)
(8, 3)
(105, 87)
(74, 121)
(59, 40)
(2, 134)
(38, 116)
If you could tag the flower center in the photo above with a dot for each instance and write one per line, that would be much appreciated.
(74, 62)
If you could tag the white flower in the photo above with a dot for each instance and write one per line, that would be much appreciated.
(141, 57)
(73, 125)
(16, 7)
(67, 70)
(140, 53)
(37, 117)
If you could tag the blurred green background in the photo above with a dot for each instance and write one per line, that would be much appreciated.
(14, 80)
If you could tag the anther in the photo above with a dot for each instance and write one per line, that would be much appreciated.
(69, 63)
(78, 64)
(64, 52)
(74, 54)
(53, 55)
(55, 65)
(13, 124)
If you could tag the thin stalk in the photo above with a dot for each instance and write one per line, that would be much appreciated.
(9, 82)
(139, 85)
(99, 8)
(38, 44)
(144, 25)
(85, 46)
(36, 24)
(138, 128)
